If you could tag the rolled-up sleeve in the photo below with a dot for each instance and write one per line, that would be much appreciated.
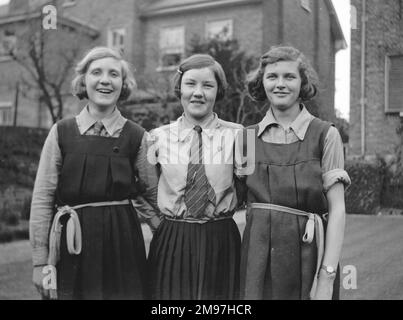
(148, 175)
(333, 161)
(43, 197)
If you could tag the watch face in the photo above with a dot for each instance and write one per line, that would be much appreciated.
(329, 269)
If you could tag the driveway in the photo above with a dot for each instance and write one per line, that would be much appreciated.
(372, 260)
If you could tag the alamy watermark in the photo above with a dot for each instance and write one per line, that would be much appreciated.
(49, 20)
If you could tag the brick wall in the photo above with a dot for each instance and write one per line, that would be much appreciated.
(384, 36)
(247, 28)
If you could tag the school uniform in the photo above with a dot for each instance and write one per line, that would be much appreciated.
(196, 257)
(294, 168)
(93, 176)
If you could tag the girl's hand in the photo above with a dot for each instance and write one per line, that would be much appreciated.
(37, 279)
(324, 289)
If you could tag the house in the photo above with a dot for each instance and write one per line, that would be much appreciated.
(154, 34)
(376, 108)
(312, 26)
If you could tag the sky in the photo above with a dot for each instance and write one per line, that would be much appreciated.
(342, 96)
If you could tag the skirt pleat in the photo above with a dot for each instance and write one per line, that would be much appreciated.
(195, 261)
(112, 263)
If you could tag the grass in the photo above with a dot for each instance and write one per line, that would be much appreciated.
(372, 246)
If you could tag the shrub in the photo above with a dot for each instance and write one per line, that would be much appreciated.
(26, 208)
(364, 194)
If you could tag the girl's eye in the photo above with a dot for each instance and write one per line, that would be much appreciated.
(271, 77)
(95, 72)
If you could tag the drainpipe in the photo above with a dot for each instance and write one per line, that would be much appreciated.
(363, 56)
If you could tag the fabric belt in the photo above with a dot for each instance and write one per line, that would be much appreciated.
(199, 221)
(73, 234)
(314, 227)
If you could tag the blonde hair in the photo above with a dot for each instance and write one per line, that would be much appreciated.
(78, 83)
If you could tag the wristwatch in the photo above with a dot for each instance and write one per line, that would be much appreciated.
(329, 269)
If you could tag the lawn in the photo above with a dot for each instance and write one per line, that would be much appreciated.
(373, 247)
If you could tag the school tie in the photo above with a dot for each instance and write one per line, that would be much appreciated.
(98, 126)
(198, 190)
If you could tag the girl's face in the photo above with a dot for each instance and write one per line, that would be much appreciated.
(198, 93)
(103, 82)
(282, 83)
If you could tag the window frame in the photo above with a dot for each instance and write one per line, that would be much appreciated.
(166, 50)
(120, 31)
(8, 107)
(388, 65)
(231, 30)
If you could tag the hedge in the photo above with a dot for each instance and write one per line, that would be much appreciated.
(20, 149)
(367, 181)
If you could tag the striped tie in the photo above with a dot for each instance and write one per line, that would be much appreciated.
(198, 190)
(98, 126)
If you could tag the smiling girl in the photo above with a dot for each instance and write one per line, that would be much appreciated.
(91, 167)
(195, 252)
(299, 177)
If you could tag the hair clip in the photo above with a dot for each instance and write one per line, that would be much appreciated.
(179, 71)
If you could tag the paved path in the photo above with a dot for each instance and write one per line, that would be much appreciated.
(373, 246)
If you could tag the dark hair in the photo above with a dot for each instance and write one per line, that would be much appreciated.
(199, 61)
(78, 83)
(309, 78)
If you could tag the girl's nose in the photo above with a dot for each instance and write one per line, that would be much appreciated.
(105, 79)
(280, 83)
(198, 92)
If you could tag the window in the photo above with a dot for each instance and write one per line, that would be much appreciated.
(172, 46)
(306, 4)
(8, 43)
(117, 39)
(394, 84)
(221, 29)
(6, 114)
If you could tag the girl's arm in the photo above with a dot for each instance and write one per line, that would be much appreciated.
(335, 179)
(43, 198)
(148, 175)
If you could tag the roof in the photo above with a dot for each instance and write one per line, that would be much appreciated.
(65, 21)
(340, 40)
(161, 7)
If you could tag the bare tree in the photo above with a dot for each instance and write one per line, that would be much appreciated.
(47, 58)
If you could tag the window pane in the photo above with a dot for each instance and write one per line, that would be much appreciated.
(395, 84)
(221, 29)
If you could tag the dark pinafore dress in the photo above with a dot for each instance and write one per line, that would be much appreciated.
(275, 262)
(112, 263)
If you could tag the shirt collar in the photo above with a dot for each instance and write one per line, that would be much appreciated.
(112, 122)
(299, 125)
(185, 127)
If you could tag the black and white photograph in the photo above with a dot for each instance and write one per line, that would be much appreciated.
(219, 152)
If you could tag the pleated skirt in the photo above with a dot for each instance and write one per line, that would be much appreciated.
(112, 263)
(275, 263)
(191, 261)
